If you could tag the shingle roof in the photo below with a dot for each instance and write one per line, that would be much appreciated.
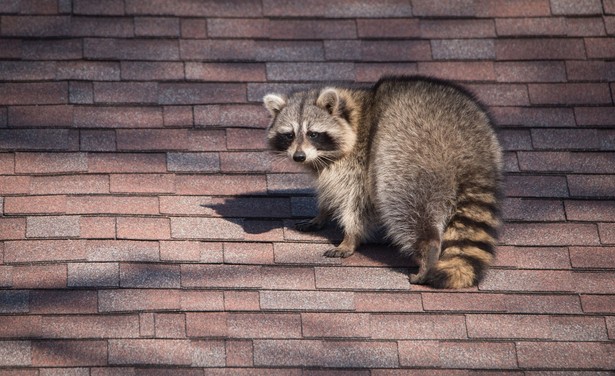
(145, 229)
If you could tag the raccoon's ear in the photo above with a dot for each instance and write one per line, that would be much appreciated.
(329, 99)
(274, 103)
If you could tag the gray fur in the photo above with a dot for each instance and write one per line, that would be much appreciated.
(417, 156)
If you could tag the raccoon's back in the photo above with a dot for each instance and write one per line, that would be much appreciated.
(435, 164)
(433, 124)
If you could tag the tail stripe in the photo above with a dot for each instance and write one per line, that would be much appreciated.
(468, 222)
(466, 243)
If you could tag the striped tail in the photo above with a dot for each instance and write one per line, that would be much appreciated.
(469, 240)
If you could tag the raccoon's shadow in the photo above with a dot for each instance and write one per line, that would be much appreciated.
(273, 216)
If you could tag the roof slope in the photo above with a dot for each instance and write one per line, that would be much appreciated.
(144, 226)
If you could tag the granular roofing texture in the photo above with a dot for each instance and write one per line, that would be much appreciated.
(146, 230)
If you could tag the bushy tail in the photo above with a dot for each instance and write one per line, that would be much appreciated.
(469, 240)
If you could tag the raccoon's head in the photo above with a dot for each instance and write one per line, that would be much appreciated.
(312, 127)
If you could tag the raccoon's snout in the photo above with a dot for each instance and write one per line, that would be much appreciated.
(299, 156)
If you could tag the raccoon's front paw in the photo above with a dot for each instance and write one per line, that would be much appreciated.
(308, 225)
(339, 252)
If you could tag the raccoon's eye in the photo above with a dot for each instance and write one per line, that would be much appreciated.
(288, 136)
(313, 135)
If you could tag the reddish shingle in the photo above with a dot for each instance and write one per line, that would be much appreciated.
(418, 326)
(147, 351)
(445, 8)
(117, 117)
(33, 93)
(264, 325)
(566, 94)
(192, 9)
(323, 353)
(156, 26)
(535, 185)
(282, 277)
(242, 276)
(388, 302)
(595, 282)
(41, 116)
(125, 92)
(410, 50)
(590, 210)
(539, 49)
(536, 327)
(592, 257)
(147, 70)
(74, 326)
(565, 355)
(463, 49)
(388, 28)
(40, 26)
(138, 300)
(312, 29)
(241, 301)
(248, 253)
(35, 205)
(39, 276)
(550, 234)
(111, 205)
(63, 302)
(21, 326)
(12, 228)
(552, 26)
(344, 325)
(170, 325)
(528, 280)
(130, 49)
(53, 227)
(310, 71)
(361, 278)
(97, 140)
(73, 353)
(485, 355)
(533, 257)
(460, 71)
(226, 72)
(598, 304)
(239, 353)
(576, 7)
(307, 300)
(15, 353)
(607, 233)
(114, 7)
(86, 26)
(540, 71)
(121, 250)
(200, 93)
(595, 116)
(237, 28)
(93, 275)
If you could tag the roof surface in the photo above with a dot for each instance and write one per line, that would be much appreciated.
(146, 230)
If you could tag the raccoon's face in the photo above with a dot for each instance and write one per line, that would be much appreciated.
(310, 127)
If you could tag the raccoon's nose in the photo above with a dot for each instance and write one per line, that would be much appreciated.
(299, 156)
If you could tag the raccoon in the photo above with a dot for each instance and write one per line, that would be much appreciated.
(414, 156)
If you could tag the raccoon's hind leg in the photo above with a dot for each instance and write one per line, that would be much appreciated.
(427, 253)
